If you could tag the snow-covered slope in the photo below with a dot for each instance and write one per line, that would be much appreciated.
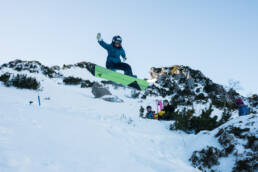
(73, 131)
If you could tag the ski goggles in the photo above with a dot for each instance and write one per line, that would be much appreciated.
(118, 42)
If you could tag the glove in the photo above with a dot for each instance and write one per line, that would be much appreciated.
(99, 37)
(124, 59)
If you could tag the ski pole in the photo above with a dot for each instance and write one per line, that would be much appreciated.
(38, 99)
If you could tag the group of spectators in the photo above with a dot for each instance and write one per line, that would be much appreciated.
(167, 112)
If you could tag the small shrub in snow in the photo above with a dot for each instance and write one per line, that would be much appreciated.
(225, 116)
(201, 97)
(252, 143)
(67, 66)
(206, 158)
(253, 100)
(247, 164)
(20, 81)
(182, 120)
(238, 132)
(187, 122)
(144, 96)
(141, 112)
(78, 81)
(72, 80)
(218, 103)
(186, 92)
(82, 64)
(5, 77)
(50, 72)
(210, 87)
(55, 67)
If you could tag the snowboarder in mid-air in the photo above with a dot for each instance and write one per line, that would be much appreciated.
(115, 50)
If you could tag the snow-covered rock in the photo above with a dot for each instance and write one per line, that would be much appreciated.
(238, 141)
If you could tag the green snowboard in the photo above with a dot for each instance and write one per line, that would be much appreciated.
(110, 75)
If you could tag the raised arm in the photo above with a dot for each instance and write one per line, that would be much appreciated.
(102, 43)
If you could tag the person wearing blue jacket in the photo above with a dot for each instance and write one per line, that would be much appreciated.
(242, 108)
(150, 114)
(115, 50)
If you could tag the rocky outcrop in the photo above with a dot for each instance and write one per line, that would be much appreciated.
(32, 67)
(238, 138)
(184, 83)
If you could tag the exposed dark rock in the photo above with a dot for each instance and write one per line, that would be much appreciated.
(99, 91)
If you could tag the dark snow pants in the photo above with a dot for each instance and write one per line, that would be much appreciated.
(120, 66)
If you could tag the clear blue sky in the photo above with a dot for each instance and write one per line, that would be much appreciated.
(218, 37)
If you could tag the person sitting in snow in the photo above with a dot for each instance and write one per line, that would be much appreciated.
(150, 114)
(242, 108)
(167, 107)
(166, 112)
(115, 50)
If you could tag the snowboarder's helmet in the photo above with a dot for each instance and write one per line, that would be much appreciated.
(117, 40)
(165, 101)
(148, 107)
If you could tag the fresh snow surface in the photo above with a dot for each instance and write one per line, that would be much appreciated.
(74, 132)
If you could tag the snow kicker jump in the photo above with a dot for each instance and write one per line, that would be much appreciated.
(101, 72)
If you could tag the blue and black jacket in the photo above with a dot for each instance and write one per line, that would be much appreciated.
(113, 52)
